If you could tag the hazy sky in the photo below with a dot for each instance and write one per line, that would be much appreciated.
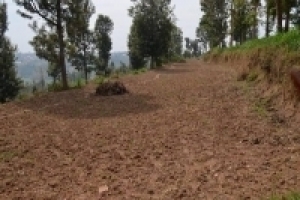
(188, 15)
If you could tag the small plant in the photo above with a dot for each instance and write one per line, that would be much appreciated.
(261, 107)
(55, 87)
(7, 156)
(23, 96)
(100, 79)
(252, 76)
(139, 71)
(290, 196)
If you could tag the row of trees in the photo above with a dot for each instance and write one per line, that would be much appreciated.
(65, 34)
(241, 19)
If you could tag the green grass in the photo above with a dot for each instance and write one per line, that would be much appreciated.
(100, 79)
(289, 41)
(72, 85)
(252, 76)
(7, 156)
(290, 196)
(139, 71)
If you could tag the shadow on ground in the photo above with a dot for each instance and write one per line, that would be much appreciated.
(78, 105)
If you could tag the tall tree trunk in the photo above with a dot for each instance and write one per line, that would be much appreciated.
(255, 25)
(85, 65)
(60, 33)
(151, 62)
(268, 20)
(279, 15)
(287, 20)
(231, 24)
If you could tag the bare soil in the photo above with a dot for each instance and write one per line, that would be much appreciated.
(185, 132)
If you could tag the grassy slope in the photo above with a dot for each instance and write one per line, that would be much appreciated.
(270, 59)
(291, 196)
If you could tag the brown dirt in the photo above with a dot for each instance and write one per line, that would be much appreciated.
(186, 132)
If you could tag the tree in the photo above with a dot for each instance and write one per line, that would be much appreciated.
(10, 84)
(270, 12)
(137, 60)
(213, 23)
(112, 64)
(192, 46)
(54, 14)
(80, 46)
(176, 42)
(103, 43)
(203, 38)
(296, 15)
(279, 13)
(152, 22)
(46, 46)
(53, 71)
(288, 5)
(256, 5)
(243, 20)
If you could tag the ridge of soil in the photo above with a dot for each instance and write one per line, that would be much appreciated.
(184, 132)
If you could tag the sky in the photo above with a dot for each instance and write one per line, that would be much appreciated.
(188, 15)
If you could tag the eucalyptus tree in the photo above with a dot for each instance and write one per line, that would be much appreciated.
(153, 24)
(10, 84)
(55, 14)
(80, 37)
(103, 43)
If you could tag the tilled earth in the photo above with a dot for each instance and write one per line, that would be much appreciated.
(185, 132)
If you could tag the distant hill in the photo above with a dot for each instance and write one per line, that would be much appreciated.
(30, 67)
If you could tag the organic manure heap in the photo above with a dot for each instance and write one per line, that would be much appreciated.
(110, 88)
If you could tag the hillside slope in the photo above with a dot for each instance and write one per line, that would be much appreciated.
(185, 132)
(267, 63)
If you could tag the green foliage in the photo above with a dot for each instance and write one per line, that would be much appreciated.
(45, 44)
(100, 79)
(175, 48)
(290, 40)
(3, 19)
(10, 84)
(244, 20)
(290, 196)
(213, 24)
(139, 71)
(58, 87)
(53, 71)
(151, 29)
(55, 87)
(55, 17)
(261, 107)
(103, 43)
(252, 76)
(193, 47)
(187, 54)
(136, 57)
(81, 40)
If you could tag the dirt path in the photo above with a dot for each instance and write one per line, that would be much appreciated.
(187, 132)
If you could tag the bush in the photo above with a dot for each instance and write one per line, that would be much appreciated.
(111, 88)
(55, 87)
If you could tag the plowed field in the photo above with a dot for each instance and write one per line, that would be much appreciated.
(185, 132)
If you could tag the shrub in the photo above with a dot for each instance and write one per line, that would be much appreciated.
(111, 88)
